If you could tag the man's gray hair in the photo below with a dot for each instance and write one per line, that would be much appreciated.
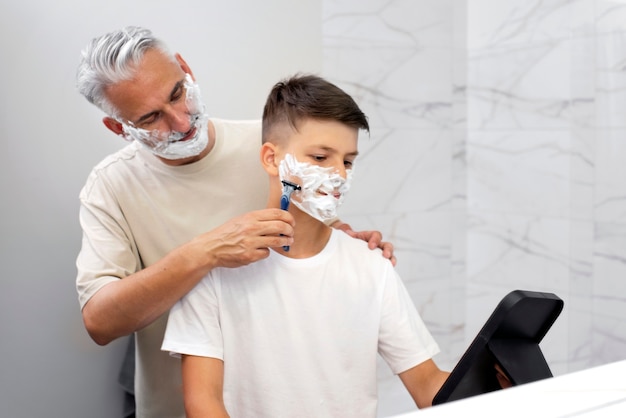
(112, 58)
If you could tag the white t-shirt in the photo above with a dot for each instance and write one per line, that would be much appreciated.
(300, 337)
(135, 209)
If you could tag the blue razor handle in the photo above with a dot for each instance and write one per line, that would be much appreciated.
(284, 205)
(284, 201)
(288, 188)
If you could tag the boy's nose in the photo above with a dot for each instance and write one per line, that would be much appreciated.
(341, 169)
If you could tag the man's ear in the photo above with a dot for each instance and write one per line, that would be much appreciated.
(269, 158)
(113, 125)
(184, 66)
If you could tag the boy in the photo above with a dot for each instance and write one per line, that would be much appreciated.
(297, 334)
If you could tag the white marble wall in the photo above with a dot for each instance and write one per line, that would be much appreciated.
(496, 160)
(546, 178)
(404, 62)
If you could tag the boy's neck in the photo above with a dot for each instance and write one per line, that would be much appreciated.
(310, 236)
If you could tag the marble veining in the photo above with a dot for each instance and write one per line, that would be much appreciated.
(495, 162)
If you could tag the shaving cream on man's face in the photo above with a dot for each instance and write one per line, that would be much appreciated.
(323, 188)
(169, 145)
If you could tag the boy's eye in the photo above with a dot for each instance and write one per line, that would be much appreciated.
(319, 158)
(348, 164)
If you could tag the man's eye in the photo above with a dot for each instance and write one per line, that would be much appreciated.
(319, 158)
(178, 94)
(147, 122)
(348, 164)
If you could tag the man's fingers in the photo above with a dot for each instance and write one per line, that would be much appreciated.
(374, 240)
(247, 238)
(271, 241)
(273, 214)
(269, 222)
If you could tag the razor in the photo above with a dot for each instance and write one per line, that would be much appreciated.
(288, 189)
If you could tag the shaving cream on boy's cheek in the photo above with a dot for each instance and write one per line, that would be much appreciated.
(319, 187)
(168, 145)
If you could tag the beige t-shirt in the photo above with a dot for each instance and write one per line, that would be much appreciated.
(135, 209)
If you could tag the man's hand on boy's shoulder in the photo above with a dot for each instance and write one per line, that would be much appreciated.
(374, 239)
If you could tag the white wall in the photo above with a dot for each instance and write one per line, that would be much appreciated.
(546, 175)
(50, 138)
(496, 161)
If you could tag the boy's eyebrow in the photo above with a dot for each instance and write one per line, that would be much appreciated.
(350, 154)
(175, 89)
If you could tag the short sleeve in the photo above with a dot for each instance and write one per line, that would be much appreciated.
(193, 326)
(404, 340)
(108, 252)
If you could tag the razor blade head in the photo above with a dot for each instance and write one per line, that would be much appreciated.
(290, 184)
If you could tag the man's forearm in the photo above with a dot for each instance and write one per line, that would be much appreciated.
(128, 305)
(132, 303)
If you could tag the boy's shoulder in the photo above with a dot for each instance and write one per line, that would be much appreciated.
(357, 248)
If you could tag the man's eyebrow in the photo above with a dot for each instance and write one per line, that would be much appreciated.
(173, 93)
(176, 88)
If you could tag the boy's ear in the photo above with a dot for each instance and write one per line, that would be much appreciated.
(269, 158)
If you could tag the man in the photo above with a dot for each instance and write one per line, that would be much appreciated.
(297, 333)
(157, 216)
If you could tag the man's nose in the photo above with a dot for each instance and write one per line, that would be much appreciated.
(179, 119)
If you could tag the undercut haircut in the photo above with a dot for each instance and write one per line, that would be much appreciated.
(300, 97)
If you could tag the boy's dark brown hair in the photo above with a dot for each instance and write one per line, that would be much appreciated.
(308, 96)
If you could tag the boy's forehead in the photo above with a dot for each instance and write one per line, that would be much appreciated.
(325, 134)
(327, 127)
